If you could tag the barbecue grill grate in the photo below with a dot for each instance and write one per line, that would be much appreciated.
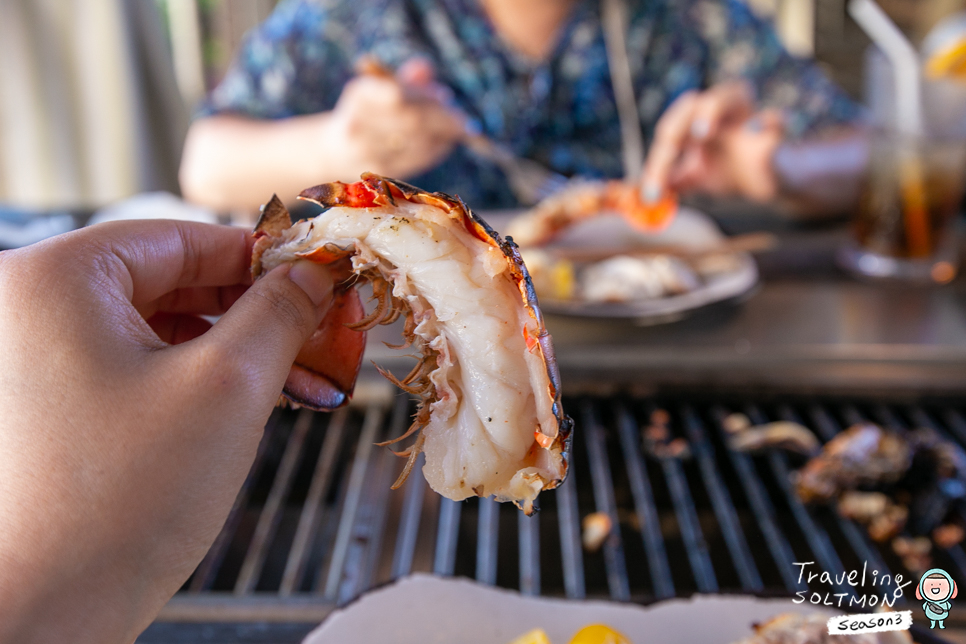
(316, 524)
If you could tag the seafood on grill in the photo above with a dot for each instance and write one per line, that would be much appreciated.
(882, 517)
(864, 454)
(596, 528)
(903, 486)
(782, 434)
(489, 420)
(587, 199)
(659, 442)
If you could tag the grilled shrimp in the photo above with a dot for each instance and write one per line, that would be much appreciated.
(583, 200)
(489, 420)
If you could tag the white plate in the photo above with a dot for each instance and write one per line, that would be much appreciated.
(423, 609)
(689, 229)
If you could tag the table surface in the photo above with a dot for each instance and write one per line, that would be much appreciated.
(807, 327)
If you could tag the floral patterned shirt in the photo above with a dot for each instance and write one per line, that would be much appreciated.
(560, 112)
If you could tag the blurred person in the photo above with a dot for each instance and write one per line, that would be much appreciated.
(129, 422)
(725, 109)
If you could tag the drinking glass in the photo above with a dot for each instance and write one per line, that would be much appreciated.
(904, 228)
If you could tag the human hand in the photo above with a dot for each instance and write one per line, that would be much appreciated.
(397, 126)
(714, 142)
(128, 422)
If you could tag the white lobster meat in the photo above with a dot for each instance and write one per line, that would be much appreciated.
(490, 421)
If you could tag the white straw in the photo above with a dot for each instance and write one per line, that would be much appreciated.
(904, 59)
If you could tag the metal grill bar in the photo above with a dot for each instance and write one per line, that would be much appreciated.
(823, 422)
(529, 536)
(449, 526)
(887, 419)
(388, 467)
(312, 508)
(350, 517)
(271, 513)
(724, 509)
(357, 477)
(366, 541)
(762, 506)
(412, 511)
(851, 415)
(644, 505)
(204, 576)
(817, 537)
(487, 541)
(328, 531)
(957, 424)
(569, 521)
(687, 515)
(603, 484)
(367, 533)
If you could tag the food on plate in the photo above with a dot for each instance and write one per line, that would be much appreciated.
(590, 634)
(489, 420)
(553, 278)
(615, 279)
(607, 259)
(795, 628)
(903, 486)
(586, 199)
(624, 278)
(536, 636)
(637, 275)
(598, 634)
(596, 528)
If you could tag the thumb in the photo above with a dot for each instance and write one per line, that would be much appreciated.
(273, 319)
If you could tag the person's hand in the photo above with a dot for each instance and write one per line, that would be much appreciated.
(714, 142)
(397, 126)
(129, 423)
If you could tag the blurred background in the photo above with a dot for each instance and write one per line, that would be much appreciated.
(95, 98)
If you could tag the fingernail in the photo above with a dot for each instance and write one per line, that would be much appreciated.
(651, 192)
(700, 128)
(314, 279)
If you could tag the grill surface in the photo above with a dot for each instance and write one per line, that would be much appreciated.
(316, 524)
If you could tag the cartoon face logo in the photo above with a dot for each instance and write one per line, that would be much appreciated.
(936, 588)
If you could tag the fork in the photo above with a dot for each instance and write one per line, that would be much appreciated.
(529, 181)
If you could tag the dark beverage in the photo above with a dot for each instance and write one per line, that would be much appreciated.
(904, 225)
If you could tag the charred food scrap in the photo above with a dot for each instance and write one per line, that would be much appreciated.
(903, 486)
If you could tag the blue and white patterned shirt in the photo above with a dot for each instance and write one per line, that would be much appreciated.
(560, 112)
